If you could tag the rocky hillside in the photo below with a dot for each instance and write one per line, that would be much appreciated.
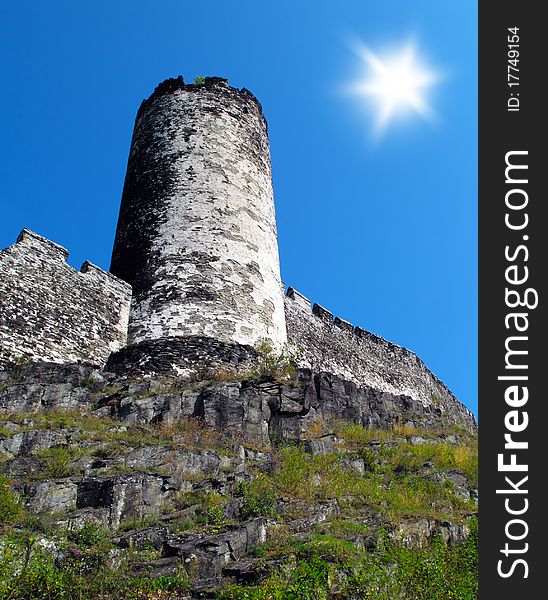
(282, 484)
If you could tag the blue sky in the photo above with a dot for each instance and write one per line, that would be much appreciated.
(381, 233)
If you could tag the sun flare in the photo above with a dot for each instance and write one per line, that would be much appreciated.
(393, 85)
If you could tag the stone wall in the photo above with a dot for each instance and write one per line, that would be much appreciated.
(336, 346)
(190, 356)
(196, 235)
(49, 311)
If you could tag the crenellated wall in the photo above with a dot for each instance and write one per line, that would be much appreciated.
(51, 312)
(336, 346)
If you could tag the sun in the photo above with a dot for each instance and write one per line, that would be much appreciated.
(394, 85)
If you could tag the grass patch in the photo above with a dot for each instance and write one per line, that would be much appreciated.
(188, 433)
(142, 523)
(57, 461)
(462, 457)
(259, 497)
(28, 571)
(11, 507)
(356, 434)
(56, 419)
(393, 493)
(326, 566)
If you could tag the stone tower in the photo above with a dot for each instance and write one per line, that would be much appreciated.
(196, 235)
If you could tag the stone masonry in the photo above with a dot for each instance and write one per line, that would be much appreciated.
(49, 311)
(196, 235)
(196, 241)
(334, 345)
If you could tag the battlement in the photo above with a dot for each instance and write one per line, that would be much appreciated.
(300, 301)
(42, 245)
(50, 311)
(104, 277)
(332, 344)
(174, 84)
(327, 317)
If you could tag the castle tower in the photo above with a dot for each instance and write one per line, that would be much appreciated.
(196, 235)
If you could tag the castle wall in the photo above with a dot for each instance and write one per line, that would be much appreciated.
(49, 311)
(196, 235)
(335, 346)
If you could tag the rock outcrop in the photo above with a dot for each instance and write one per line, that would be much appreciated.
(258, 411)
(195, 477)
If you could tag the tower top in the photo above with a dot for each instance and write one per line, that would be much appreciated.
(173, 84)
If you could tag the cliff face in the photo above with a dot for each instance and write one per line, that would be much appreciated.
(229, 481)
(261, 411)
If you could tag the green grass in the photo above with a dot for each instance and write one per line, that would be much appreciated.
(461, 457)
(326, 565)
(29, 572)
(259, 497)
(106, 438)
(356, 434)
(394, 486)
(56, 419)
(391, 492)
(57, 461)
(319, 566)
(446, 456)
(11, 507)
